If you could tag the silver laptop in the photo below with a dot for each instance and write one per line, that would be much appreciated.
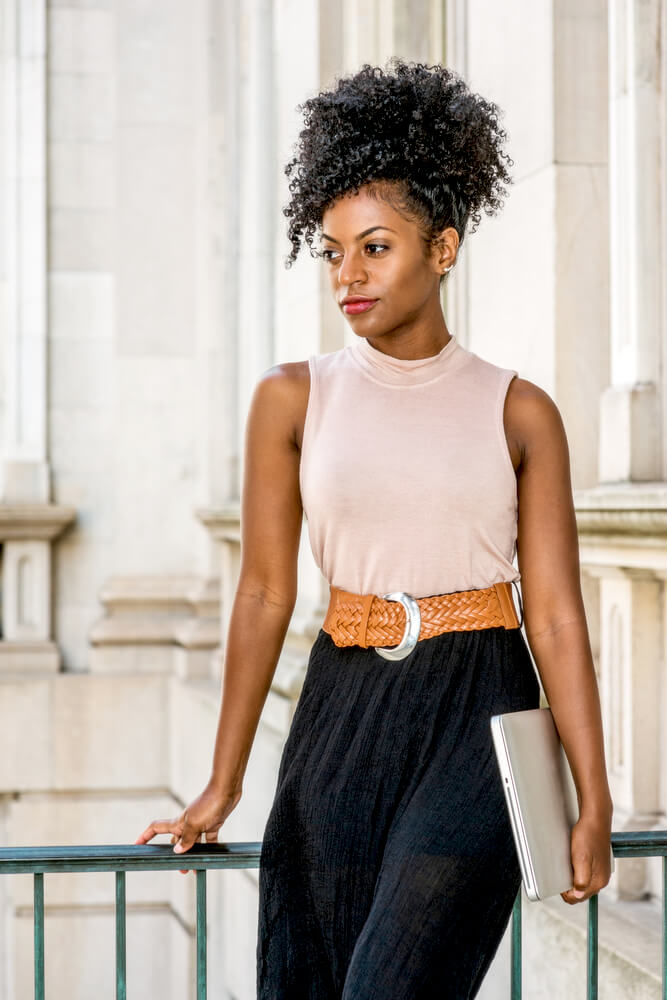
(541, 798)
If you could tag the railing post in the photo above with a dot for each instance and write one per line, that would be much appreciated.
(38, 919)
(121, 987)
(592, 989)
(201, 934)
(516, 987)
(664, 927)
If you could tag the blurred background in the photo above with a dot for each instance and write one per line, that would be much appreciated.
(142, 293)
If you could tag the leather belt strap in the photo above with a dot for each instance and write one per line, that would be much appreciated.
(370, 620)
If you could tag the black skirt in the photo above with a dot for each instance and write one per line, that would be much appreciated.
(388, 869)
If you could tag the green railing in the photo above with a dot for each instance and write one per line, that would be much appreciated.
(120, 859)
(201, 857)
(643, 844)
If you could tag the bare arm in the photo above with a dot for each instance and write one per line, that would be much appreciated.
(556, 628)
(271, 517)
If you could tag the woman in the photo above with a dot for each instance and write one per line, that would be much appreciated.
(388, 868)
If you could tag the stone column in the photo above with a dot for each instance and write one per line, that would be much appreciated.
(255, 333)
(224, 180)
(631, 441)
(241, 215)
(631, 605)
(622, 532)
(28, 521)
(581, 238)
(418, 29)
(24, 470)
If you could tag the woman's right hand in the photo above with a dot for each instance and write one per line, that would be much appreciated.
(204, 816)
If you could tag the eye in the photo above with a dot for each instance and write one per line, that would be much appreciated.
(324, 254)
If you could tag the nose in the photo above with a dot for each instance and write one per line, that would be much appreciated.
(351, 269)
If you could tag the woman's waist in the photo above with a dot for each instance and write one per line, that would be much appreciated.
(398, 619)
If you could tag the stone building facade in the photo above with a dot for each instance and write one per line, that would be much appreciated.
(143, 292)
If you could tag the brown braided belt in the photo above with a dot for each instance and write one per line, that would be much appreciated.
(370, 620)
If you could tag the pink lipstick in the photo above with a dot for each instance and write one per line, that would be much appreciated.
(359, 307)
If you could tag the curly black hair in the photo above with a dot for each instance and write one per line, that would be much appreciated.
(417, 136)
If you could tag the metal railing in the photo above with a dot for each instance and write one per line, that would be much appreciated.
(202, 857)
(121, 859)
(642, 844)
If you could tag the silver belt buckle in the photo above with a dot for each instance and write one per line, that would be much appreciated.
(412, 627)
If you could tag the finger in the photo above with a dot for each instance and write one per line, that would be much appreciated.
(187, 838)
(580, 896)
(157, 826)
(571, 899)
(211, 836)
(582, 867)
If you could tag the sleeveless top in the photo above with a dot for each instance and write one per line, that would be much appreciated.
(405, 474)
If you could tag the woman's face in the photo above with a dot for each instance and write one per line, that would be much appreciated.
(371, 250)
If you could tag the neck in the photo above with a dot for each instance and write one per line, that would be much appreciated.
(410, 347)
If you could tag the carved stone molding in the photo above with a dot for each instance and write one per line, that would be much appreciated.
(26, 532)
(176, 618)
(31, 521)
(630, 510)
(622, 528)
(224, 523)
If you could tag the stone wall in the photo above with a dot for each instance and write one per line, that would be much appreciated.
(143, 292)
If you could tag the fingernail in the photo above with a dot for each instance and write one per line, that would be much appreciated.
(578, 893)
(178, 849)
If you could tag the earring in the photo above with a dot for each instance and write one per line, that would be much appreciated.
(448, 268)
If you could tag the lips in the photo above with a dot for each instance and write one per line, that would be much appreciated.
(356, 305)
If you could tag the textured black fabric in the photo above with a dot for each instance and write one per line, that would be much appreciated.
(388, 869)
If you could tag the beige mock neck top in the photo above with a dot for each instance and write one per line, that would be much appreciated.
(406, 478)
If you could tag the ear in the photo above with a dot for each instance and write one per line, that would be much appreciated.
(445, 249)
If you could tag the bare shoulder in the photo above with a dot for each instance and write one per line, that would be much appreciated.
(287, 376)
(283, 390)
(532, 418)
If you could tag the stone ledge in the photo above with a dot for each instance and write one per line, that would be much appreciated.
(224, 523)
(32, 521)
(20, 656)
(121, 631)
(157, 593)
(625, 509)
(173, 622)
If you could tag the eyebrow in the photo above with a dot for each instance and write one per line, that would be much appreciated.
(361, 235)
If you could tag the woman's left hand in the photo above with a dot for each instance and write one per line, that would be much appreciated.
(590, 846)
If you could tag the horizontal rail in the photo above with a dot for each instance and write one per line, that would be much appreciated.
(640, 844)
(239, 854)
(127, 857)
